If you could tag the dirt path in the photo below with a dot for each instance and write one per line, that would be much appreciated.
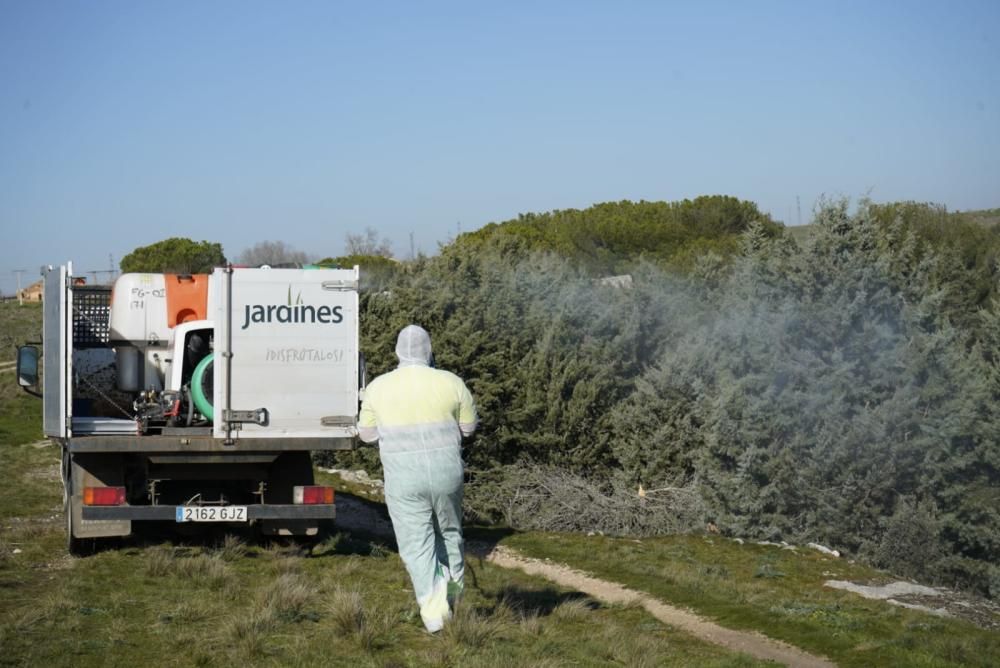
(356, 515)
(754, 644)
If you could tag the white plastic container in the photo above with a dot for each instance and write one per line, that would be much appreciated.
(139, 309)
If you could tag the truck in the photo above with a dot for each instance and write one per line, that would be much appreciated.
(197, 399)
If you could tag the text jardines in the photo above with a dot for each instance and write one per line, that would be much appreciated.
(300, 313)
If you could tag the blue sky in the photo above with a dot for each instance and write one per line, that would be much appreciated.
(124, 123)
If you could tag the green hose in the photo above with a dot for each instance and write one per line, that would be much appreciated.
(198, 391)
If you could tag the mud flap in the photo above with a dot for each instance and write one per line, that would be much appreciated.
(89, 471)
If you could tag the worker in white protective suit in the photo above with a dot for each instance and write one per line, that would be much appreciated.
(419, 415)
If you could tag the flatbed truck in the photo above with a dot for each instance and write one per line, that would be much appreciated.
(197, 398)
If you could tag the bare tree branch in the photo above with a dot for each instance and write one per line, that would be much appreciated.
(368, 243)
(272, 253)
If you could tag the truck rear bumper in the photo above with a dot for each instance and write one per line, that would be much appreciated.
(169, 513)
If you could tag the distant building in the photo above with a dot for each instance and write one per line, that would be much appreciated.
(35, 291)
(32, 293)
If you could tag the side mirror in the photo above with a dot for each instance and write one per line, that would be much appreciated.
(27, 366)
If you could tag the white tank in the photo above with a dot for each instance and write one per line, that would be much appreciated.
(139, 309)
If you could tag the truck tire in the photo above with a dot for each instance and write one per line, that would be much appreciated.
(201, 387)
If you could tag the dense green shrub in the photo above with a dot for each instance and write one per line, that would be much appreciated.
(608, 237)
(175, 255)
(843, 390)
(911, 543)
(824, 386)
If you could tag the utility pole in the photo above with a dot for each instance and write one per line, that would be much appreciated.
(413, 255)
(20, 297)
(798, 207)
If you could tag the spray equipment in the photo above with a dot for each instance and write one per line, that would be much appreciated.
(160, 335)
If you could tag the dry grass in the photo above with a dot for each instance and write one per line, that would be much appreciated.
(287, 565)
(354, 565)
(48, 609)
(572, 609)
(208, 568)
(531, 624)
(469, 628)
(548, 498)
(352, 619)
(277, 549)
(288, 598)
(379, 550)
(248, 632)
(626, 651)
(159, 561)
(231, 548)
(193, 611)
(328, 545)
(346, 610)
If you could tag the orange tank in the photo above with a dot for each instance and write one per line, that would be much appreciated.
(187, 298)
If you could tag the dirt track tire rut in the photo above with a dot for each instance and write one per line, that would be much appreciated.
(755, 644)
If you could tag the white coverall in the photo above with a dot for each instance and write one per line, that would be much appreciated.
(419, 415)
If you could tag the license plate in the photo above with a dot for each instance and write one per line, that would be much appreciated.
(211, 513)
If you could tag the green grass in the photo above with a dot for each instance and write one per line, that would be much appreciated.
(775, 591)
(21, 324)
(30, 465)
(341, 604)
(30, 474)
(344, 602)
(21, 417)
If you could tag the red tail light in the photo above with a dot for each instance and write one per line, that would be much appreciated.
(313, 494)
(104, 496)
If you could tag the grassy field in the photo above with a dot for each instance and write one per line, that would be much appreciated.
(777, 591)
(222, 600)
(214, 600)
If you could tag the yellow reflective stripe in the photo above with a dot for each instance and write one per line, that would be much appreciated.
(390, 399)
